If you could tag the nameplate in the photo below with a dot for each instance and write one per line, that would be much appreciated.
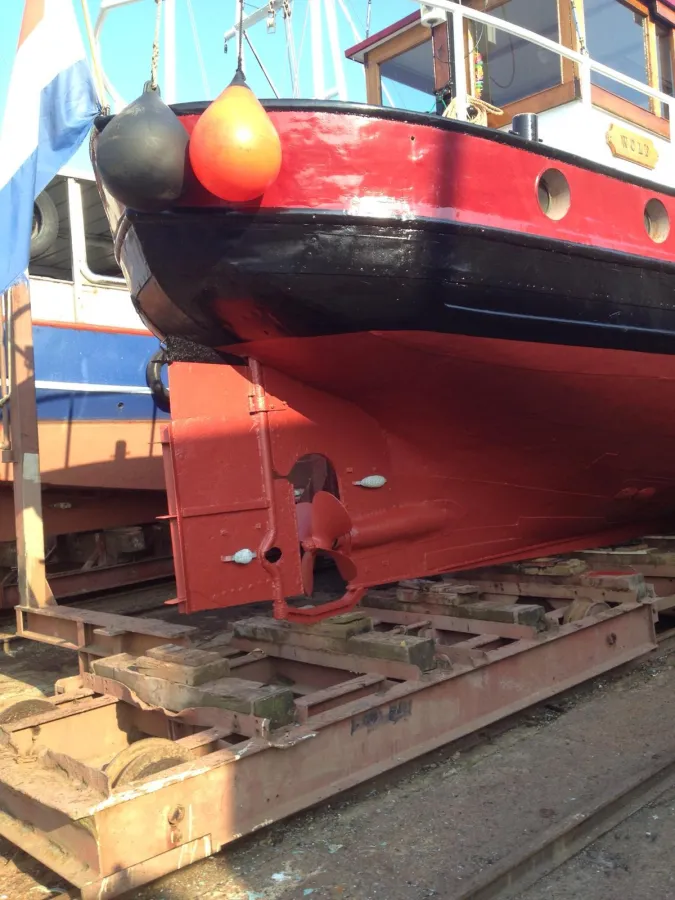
(634, 147)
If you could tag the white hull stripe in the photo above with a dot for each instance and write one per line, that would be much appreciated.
(84, 388)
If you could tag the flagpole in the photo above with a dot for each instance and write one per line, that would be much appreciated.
(95, 57)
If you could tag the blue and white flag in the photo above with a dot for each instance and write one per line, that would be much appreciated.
(51, 104)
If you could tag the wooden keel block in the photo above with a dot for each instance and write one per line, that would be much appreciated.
(632, 584)
(110, 665)
(343, 626)
(252, 698)
(236, 694)
(406, 648)
(333, 631)
(183, 665)
(464, 606)
(552, 567)
(382, 599)
(440, 593)
(498, 611)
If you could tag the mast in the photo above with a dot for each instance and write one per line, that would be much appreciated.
(316, 32)
(334, 43)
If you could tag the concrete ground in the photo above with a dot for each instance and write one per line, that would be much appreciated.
(426, 830)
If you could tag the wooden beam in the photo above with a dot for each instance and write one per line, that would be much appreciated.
(373, 82)
(631, 112)
(652, 53)
(30, 542)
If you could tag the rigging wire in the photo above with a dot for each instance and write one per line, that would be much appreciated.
(575, 15)
(302, 44)
(198, 48)
(262, 67)
(290, 46)
(357, 15)
(345, 6)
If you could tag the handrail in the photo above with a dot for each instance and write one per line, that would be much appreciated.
(586, 64)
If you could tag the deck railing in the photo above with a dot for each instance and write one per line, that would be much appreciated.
(587, 65)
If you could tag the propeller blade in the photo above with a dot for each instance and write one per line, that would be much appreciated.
(345, 564)
(303, 512)
(307, 572)
(330, 520)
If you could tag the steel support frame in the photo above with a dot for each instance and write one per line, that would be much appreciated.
(94, 634)
(86, 581)
(164, 823)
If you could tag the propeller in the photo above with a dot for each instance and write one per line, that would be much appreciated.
(321, 527)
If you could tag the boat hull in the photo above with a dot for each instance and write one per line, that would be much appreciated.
(491, 450)
(385, 220)
(398, 304)
(98, 430)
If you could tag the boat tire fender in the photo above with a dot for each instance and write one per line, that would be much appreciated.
(153, 379)
(45, 226)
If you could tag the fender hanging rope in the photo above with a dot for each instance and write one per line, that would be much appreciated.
(240, 41)
(154, 62)
(477, 110)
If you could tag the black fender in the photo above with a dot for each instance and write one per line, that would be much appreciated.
(153, 379)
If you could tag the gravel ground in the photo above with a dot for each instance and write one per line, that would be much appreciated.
(634, 861)
(423, 831)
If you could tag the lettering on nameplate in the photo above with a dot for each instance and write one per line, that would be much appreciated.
(632, 146)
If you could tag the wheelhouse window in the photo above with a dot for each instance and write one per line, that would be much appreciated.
(514, 69)
(624, 35)
(664, 44)
(617, 35)
(407, 65)
(408, 79)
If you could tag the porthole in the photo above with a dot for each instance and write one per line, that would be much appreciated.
(657, 222)
(553, 194)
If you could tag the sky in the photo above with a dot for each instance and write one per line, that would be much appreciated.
(127, 35)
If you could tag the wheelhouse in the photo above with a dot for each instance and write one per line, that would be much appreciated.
(599, 73)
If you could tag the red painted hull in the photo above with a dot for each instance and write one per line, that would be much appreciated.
(403, 307)
(492, 450)
(383, 220)
(342, 160)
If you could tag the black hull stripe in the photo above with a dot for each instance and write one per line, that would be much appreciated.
(311, 217)
(340, 275)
